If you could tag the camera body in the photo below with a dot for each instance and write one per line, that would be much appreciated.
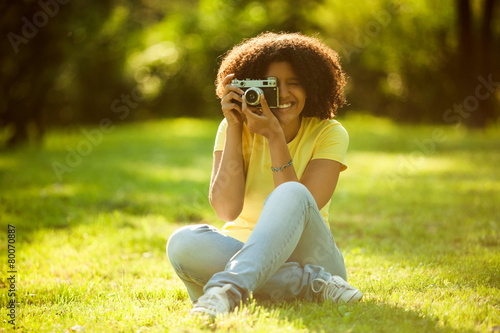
(255, 88)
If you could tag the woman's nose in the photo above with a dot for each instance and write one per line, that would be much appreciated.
(283, 91)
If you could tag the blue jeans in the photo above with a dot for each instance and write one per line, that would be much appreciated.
(289, 247)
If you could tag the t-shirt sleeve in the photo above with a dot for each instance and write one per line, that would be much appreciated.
(220, 139)
(332, 144)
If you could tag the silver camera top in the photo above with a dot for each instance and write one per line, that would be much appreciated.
(270, 82)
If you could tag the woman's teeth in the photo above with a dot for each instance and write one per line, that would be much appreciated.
(284, 106)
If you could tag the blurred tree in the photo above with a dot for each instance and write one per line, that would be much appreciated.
(65, 62)
(417, 60)
(27, 67)
(475, 58)
(37, 84)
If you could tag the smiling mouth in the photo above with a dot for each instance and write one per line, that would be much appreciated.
(286, 106)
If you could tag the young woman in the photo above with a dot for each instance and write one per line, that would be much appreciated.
(274, 173)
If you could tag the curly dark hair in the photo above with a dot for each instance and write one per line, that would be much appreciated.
(316, 65)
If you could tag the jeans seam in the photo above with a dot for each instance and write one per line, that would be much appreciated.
(185, 276)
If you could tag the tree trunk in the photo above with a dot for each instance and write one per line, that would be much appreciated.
(475, 59)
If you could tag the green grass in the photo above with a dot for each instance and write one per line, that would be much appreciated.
(417, 220)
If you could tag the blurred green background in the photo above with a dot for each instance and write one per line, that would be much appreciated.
(65, 63)
(416, 215)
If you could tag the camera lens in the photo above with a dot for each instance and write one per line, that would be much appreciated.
(252, 96)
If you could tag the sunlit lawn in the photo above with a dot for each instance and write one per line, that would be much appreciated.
(416, 215)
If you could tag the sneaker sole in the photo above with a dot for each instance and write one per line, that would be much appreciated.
(203, 312)
(355, 297)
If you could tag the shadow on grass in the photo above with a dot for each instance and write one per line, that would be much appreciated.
(366, 316)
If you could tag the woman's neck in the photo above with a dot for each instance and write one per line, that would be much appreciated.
(291, 130)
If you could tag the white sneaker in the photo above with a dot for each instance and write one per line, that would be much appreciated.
(214, 302)
(337, 290)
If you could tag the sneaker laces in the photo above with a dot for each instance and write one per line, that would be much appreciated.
(214, 300)
(331, 289)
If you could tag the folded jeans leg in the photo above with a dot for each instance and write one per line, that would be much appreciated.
(197, 252)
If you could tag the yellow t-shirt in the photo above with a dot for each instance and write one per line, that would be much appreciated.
(316, 139)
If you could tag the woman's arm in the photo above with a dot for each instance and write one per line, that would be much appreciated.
(280, 156)
(320, 177)
(227, 184)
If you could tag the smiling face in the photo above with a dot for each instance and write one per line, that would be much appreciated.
(292, 96)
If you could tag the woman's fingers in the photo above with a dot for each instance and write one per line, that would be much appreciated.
(231, 93)
(256, 111)
(265, 107)
(227, 79)
(250, 112)
(229, 87)
(229, 102)
(230, 96)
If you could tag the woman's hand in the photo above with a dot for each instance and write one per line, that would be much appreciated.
(232, 111)
(261, 120)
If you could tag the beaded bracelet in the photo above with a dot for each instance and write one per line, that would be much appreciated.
(284, 166)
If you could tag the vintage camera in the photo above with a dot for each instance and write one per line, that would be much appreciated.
(255, 88)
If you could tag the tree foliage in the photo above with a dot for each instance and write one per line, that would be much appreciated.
(69, 62)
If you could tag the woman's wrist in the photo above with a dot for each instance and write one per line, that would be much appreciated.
(275, 137)
(234, 130)
(278, 148)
